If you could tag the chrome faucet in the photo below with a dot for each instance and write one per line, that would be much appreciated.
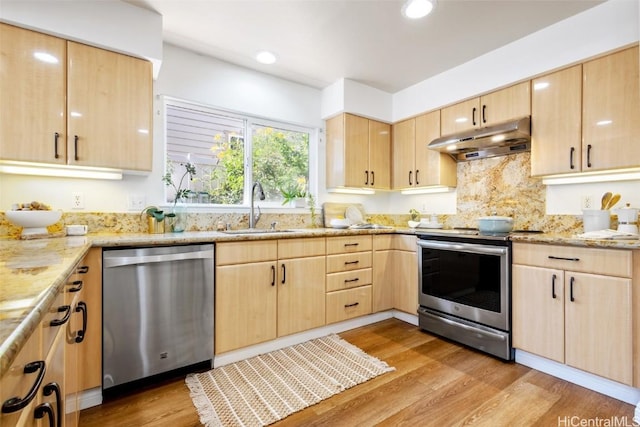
(253, 219)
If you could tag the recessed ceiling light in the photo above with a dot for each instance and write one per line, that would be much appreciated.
(265, 57)
(415, 9)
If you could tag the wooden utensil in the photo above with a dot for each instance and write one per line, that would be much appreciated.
(606, 198)
(614, 199)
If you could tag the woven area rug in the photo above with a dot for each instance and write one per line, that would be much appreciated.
(267, 388)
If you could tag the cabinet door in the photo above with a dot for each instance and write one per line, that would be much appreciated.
(611, 107)
(505, 104)
(379, 155)
(32, 100)
(556, 122)
(245, 305)
(383, 280)
(90, 351)
(460, 117)
(538, 311)
(356, 152)
(301, 294)
(404, 138)
(335, 152)
(54, 378)
(109, 104)
(432, 167)
(405, 269)
(598, 325)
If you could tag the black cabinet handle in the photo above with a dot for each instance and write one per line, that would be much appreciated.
(410, 176)
(417, 172)
(589, 155)
(351, 262)
(42, 410)
(351, 305)
(484, 114)
(65, 318)
(75, 147)
(553, 286)
(571, 153)
(473, 116)
(83, 269)
(273, 275)
(366, 177)
(351, 244)
(48, 390)
(15, 404)
(373, 178)
(573, 279)
(351, 280)
(562, 258)
(56, 135)
(82, 307)
(77, 284)
(284, 274)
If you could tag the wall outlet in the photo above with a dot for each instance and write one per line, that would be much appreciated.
(136, 202)
(77, 200)
(587, 202)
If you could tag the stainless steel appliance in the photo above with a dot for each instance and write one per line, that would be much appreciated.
(157, 310)
(465, 288)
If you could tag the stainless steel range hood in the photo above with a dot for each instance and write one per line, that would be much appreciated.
(498, 140)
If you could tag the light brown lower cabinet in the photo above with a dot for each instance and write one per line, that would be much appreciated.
(573, 305)
(268, 289)
(395, 272)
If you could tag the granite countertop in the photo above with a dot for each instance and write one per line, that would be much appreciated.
(32, 272)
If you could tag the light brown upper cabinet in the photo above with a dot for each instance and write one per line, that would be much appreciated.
(495, 107)
(358, 153)
(414, 165)
(586, 117)
(68, 103)
(556, 124)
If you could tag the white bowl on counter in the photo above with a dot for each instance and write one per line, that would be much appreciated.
(495, 224)
(33, 222)
(339, 223)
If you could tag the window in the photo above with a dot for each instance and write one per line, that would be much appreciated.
(221, 145)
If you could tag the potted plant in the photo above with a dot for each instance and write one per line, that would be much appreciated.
(294, 194)
(178, 215)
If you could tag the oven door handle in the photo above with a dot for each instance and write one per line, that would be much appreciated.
(463, 326)
(463, 247)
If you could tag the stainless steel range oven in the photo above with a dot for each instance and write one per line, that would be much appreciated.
(465, 289)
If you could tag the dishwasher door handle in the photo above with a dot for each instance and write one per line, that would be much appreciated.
(121, 261)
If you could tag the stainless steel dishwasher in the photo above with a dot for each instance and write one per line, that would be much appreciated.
(157, 311)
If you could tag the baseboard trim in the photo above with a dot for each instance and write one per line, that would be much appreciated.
(607, 387)
(90, 398)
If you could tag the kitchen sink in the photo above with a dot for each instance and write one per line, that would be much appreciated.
(257, 231)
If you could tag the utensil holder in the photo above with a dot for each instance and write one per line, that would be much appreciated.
(596, 219)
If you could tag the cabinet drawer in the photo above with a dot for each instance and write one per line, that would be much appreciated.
(347, 304)
(301, 248)
(397, 242)
(348, 262)
(609, 262)
(347, 244)
(245, 252)
(348, 279)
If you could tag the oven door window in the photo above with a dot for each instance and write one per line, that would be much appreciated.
(464, 278)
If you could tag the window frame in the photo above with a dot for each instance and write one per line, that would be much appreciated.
(249, 121)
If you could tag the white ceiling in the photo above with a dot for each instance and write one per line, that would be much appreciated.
(318, 42)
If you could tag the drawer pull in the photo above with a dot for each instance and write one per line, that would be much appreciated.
(77, 284)
(573, 279)
(563, 258)
(50, 389)
(42, 410)
(351, 305)
(15, 404)
(351, 262)
(65, 318)
(83, 269)
(351, 244)
(273, 275)
(82, 307)
(351, 280)
(553, 286)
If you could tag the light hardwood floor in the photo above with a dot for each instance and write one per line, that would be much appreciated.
(436, 383)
